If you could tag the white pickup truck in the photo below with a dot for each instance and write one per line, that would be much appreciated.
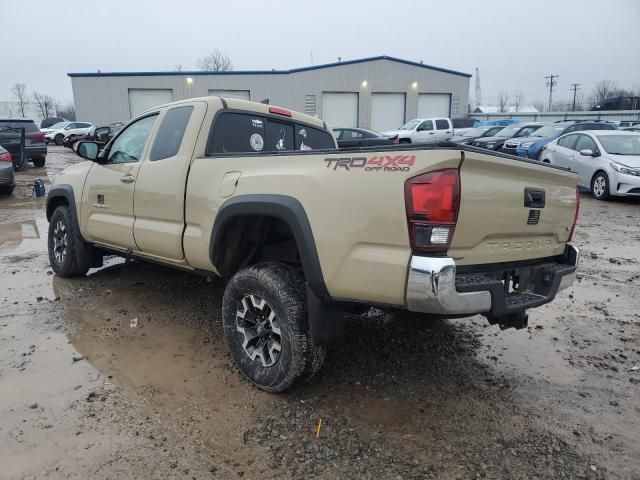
(424, 130)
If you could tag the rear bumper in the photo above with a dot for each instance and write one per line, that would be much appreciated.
(36, 151)
(433, 286)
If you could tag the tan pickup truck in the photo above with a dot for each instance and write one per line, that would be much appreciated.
(301, 231)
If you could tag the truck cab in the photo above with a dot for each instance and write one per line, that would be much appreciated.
(424, 130)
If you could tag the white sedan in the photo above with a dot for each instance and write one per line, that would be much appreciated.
(607, 162)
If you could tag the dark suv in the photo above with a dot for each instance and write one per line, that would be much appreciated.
(35, 147)
(531, 147)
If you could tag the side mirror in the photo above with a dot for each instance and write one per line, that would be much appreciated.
(587, 152)
(88, 150)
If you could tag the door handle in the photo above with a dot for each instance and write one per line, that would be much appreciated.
(430, 133)
(128, 178)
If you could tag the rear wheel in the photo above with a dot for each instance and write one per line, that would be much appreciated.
(39, 162)
(600, 186)
(58, 139)
(69, 254)
(264, 312)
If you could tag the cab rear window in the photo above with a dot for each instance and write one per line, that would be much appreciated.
(29, 127)
(246, 133)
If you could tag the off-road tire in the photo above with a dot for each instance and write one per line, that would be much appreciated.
(283, 289)
(39, 161)
(59, 139)
(6, 190)
(78, 254)
(597, 191)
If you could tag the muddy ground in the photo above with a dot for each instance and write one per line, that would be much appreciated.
(124, 374)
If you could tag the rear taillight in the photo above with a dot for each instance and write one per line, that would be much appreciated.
(575, 216)
(5, 157)
(432, 201)
(38, 137)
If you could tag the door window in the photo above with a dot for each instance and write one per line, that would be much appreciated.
(442, 124)
(426, 125)
(568, 142)
(585, 142)
(170, 133)
(128, 146)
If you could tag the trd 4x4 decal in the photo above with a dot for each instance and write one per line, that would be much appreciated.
(382, 163)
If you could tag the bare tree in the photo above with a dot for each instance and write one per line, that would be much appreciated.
(68, 112)
(518, 98)
(19, 90)
(46, 104)
(538, 105)
(503, 100)
(603, 90)
(215, 62)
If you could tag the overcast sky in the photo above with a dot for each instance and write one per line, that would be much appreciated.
(513, 43)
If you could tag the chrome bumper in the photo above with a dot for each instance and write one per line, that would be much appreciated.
(431, 287)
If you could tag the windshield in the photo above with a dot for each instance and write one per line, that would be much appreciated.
(507, 132)
(476, 132)
(621, 144)
(59, 125)
(548, 130)
(410, 125)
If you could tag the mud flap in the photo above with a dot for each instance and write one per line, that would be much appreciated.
(326, 320)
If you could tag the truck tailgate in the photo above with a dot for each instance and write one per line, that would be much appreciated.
(495, 226)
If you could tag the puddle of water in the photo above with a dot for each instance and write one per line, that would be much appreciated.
(24, 237)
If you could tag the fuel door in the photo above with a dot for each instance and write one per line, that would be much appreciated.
(229, 184)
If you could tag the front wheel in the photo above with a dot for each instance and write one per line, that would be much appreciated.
(264, 312)
(59, 139)
(69, 254)
(600, 186)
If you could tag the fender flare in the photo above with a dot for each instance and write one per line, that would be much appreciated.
(64, 191)
(287, 209)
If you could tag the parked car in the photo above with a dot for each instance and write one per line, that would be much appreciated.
(607, 163)
(424, 130)
(514, 131)
(35, 147)
(628, 123)
(634, 128)
(478, 132)
(618, 103)
(71, 128)
(48, 122)
(361, 137)
(531, 147)
(7, 178)
(102, 135)
(301, 230)
(463, 125)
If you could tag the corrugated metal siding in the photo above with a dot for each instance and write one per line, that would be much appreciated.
(105, 99)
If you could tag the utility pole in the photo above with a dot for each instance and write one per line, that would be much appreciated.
(478, 91)
(575, 87)
(552, 81)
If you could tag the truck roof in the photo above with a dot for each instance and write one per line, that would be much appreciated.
(237, 104)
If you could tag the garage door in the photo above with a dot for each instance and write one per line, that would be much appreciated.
(340, 109)
(387, 111)
(239, 94)
(144, 99)
(434, 105)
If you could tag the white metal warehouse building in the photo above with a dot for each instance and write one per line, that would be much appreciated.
(379, 92)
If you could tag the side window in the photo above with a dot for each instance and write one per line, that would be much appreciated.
(309, 138)
(83, 125)
(237, 133)
(574, 128)
(442, 124)
(586, 142)
(130, 143)
(71, 126)
(426, 125)
(338, 134)
(170, 133)
(568, 142)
